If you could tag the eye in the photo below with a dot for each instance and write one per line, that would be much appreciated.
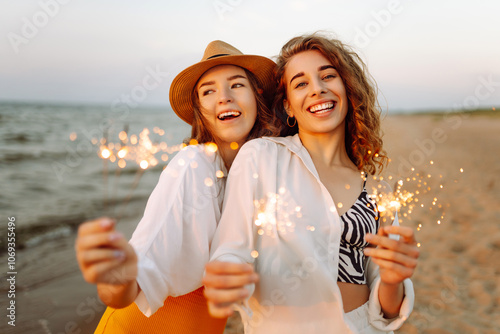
(329, 76)
(207, 92)
(237, 85)
(300, 85)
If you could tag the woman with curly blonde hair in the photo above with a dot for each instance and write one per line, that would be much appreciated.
(301, 209)
(363, 135)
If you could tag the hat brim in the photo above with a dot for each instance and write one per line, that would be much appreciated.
(183, 84)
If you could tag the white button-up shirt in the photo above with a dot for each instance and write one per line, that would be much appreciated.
(172, 240)
(278, 215)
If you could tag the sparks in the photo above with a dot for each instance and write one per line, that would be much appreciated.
(211, 147)
(144, 164)
(105, 153)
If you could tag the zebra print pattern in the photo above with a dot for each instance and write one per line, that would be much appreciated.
(360, 219)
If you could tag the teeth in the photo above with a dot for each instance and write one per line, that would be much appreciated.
(229, 113)
(322, 106)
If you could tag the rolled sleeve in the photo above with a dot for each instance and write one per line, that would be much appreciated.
(376, 315)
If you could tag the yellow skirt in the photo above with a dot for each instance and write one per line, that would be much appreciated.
(187, 314)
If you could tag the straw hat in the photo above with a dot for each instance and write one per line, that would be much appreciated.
(216, 53)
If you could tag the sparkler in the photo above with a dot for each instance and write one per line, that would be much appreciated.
(105, 154)
(416, 193)
(137, 149)
(122, 151)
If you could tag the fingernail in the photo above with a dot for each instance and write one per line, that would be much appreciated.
(106, 222)
(244, 293)
(119, 254)
(255, 278)
(368, 251)
(115, 236)
(368, 237)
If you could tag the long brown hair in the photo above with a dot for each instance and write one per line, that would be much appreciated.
(363, 136)
(266, 123)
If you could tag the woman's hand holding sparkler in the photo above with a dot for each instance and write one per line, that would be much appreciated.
(107, 259)
(397, 260)
(225, 285)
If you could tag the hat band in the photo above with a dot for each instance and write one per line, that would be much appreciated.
(219, 55)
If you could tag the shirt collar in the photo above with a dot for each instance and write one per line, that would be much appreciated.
(294, 144)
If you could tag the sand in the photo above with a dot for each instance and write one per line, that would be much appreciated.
(457, 280)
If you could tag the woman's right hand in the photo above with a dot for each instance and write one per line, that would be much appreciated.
(103, 254)
(225, 285)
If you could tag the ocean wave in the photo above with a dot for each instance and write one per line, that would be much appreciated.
(18, 156)
(50, 227)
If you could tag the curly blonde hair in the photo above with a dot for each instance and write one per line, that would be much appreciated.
(363, 136)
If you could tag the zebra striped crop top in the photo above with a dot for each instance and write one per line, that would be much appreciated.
(361, 218)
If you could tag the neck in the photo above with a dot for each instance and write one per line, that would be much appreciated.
(327, 149)
(228, 154)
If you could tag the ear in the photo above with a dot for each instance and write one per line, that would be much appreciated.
(286, 105)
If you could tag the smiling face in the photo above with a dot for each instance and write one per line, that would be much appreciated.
(316, 95)
(227, 102)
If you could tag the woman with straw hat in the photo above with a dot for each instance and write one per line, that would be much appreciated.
(158, 273)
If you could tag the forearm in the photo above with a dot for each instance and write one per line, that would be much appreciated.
(391, 297)
(118, 296)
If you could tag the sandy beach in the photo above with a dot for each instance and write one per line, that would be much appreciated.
(457, 285)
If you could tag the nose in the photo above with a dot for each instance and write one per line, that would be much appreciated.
(224, 96)
(316, 87)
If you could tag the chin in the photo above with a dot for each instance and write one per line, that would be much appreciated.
(235, 136)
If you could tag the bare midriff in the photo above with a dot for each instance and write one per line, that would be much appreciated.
(353, 295)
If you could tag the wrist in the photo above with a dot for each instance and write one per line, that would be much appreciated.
(392, 286)
(391, 297)
(118, 295)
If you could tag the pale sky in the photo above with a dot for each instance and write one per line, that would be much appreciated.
(423, 54)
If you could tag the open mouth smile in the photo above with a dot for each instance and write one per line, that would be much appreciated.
(322, 107)
(228, 115)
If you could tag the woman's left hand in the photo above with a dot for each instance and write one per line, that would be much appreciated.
(397, 259)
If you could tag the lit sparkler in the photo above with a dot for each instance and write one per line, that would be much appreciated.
(418, 192)
(139, 150)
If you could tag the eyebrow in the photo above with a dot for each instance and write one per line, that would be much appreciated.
(208, 83)
(325, 67)
(298, 75)
(237, 76)
(321, 68)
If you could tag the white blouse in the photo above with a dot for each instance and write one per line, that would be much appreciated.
(172, 240)
(278, 215)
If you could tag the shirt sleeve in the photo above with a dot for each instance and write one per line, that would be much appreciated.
(376, 316)
(172, 240)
